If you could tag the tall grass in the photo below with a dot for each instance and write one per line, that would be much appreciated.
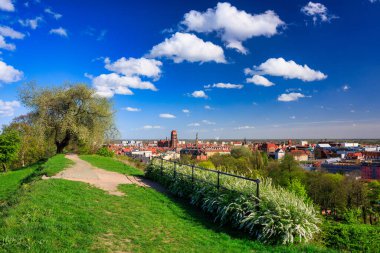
(280, 217)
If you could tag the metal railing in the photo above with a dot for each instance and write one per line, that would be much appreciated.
(176, 167)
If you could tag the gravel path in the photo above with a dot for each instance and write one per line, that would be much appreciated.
(83, 171)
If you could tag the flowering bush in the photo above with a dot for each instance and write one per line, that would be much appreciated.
(279, 216)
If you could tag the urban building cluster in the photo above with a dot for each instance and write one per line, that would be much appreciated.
(358, 159)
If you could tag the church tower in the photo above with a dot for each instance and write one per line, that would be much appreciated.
(174, 139)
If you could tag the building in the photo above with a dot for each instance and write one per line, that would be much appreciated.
(195, 153)
(370, 170)
(174, 139)
(299, 155)
(279, 154)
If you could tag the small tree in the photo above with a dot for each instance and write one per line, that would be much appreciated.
(9, 146)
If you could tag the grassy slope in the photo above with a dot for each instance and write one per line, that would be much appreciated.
(11, 180)
(111, 164)
(59, 215)
(55, 164)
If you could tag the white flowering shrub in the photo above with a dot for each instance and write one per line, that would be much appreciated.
(278, 217)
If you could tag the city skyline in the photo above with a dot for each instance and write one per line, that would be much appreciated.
(236, 69)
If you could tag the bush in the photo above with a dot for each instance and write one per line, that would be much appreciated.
(351, 237)
(281, 216)
(105, 152)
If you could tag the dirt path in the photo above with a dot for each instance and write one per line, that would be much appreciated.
(83, 171)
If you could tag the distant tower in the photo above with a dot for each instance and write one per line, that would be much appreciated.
(196, 139)
(290, 142)
(174, 139)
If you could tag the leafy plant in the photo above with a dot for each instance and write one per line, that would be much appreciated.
(280, 217)
(105, 152)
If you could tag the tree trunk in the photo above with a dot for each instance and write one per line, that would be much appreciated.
(61, 145)
(4, 167)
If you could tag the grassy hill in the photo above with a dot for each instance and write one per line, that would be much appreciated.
(58, 215)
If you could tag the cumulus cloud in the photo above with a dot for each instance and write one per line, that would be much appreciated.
(186, 111)
(317, 11)
(194, 124)
(224, 86)
(8, 74)
(128, 76)
(293, 96)
(286, 69)
(5, 45)
(345, 87)
(151, 127)
(259, 80)
(54, 14)
(207, 122)
(234, 26)
(188, 47)
(207, 107)
(59, 31)
(7, 5)
(7, 108)
(244, 127)
(31, 23)
(133, 66)
(199, 94)
(167, 116)
(108, 85)
(9, 32)
(132, 109)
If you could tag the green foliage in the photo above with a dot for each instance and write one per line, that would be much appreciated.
(103, 151)
(206, 164)
(70, 114)
(352, 237)
(9, 146)
(281, 217)
(111, 164)
(299, 189)
(241, 152)
(55, 165)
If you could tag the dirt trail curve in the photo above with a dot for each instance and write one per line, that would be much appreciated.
(83, 171)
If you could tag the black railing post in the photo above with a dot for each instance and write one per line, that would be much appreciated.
(192, 173)
(175, 172)
(218, 185)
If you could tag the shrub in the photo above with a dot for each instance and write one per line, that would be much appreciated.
(351, 237)
(280, 217)
(105, 152)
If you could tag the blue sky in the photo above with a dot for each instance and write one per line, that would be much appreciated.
(254, 69)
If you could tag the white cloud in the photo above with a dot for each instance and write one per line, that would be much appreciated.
(188, 47)
(345, 87)
(5, 45)
(244, 127)
(287, 69)
(7, 108)
(8, 74)
(133, 66)
(186, 111)
(292, 117)
(233, 25)
(128, 76)
(32, 23)
(108, 85)
(54, 14)
(290, 97)
(151, 127)
(199, 94)
(194, 124)
(132, 109)
(59, 31)
(317, 11)
(224, 86)
(167, 116)
(7, 31)
(207, 122)
(7, 5)
(259, 80)
(207, 107)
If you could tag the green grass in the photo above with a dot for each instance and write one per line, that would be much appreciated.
(111, 164)
(63, 216)
(55, 164)
(11, 180)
